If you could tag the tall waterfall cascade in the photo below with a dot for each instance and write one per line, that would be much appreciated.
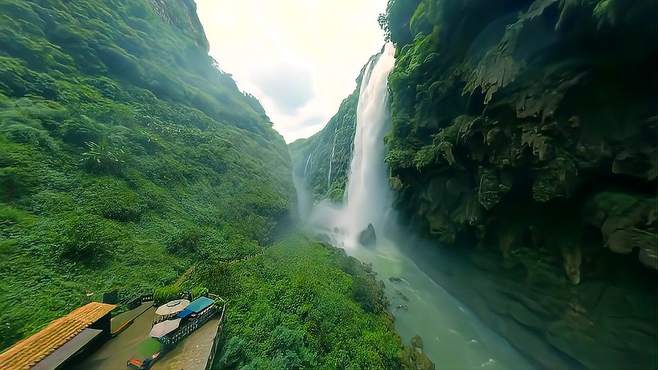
(368, 196)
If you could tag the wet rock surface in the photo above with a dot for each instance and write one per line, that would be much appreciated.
(368, 237)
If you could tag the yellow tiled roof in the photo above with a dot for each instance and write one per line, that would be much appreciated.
(31, 350)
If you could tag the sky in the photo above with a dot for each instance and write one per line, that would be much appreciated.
(298, 57)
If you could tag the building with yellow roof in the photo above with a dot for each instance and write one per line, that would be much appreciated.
(60, 341)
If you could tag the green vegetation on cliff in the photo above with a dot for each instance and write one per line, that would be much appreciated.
(125, 155)
(323, 160)
(302, 305)
(530, 127)
(534, 102)
(129, 161)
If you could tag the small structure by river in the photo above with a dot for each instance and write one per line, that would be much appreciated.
(63, 341)
(194, 351)
(176, 321)
(90, 338)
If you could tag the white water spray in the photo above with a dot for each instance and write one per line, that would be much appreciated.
(308, 160)
(368, 196)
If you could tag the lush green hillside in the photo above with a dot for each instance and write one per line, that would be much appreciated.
(129, 161)
(305, 306)
(529, 128)
(125, 155)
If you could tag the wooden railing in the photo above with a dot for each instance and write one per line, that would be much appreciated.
(217, 335)
(134, 302)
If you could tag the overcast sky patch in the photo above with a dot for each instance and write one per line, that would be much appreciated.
(290, 87)
(298, 57)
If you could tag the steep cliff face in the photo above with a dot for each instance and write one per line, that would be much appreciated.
(529, 128)
(543, 104)
(182, 14)
(126, 155)
(323, 160)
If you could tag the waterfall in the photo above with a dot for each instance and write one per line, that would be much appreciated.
(304, 198)
(368, 196)
(307, 162)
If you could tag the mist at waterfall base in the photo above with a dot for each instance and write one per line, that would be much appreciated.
(452, 336)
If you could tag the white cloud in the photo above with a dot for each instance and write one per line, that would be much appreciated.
(299, 57)
(289, 86)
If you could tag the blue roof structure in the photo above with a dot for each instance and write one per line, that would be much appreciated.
(196, 306)
(199, 304)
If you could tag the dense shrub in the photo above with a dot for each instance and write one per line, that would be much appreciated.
(293, 308)
(369, 294)
(12, 216)
(396, 20)
(79, 131)
(198, 291)
(20, 133)
(234, 354)
(87, 238)
(167, 293)
(11, 183)
(113, 199)
(103, 157)
(186, 242)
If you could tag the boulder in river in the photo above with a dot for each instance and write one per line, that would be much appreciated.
(367, 237)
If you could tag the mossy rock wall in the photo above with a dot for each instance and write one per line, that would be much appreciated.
(528, 129)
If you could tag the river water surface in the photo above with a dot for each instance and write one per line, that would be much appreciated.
(453, 337)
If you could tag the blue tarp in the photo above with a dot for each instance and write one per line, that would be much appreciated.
(196, 306)
(183, 314)
(199, 304)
